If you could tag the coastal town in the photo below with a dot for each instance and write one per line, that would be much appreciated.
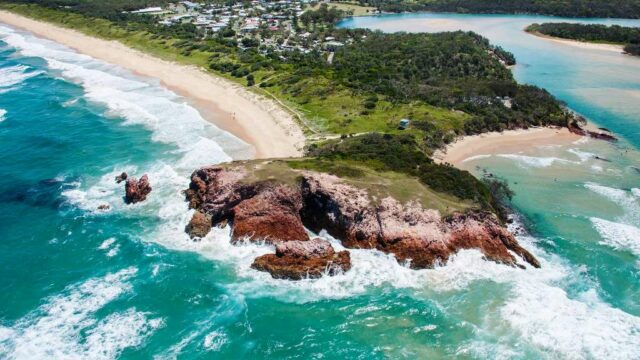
(280, 26)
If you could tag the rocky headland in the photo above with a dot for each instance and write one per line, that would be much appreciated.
(261, 208)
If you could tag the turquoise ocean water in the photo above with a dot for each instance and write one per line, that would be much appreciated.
(80, 283)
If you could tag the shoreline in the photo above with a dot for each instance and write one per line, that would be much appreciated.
(580, 44)
(259, 121)
(508, 141)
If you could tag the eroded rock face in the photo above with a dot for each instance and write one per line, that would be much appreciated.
(278, 213)
(273, 215)
(199, 225)
(296, 260)
(136, 190)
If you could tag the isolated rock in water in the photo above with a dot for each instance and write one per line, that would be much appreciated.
(273, 215)
(122, 177)
(295, 260)
(136, 190)
(199, 226)
(104, 207)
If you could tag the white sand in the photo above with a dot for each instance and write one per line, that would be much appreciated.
(502, 142)
(251, 117)
(582, 44)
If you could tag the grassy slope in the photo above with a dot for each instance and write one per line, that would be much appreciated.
(378, 184)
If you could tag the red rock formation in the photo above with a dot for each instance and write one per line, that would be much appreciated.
(410, 232)
(199, 226)
(278, 213)
(136, 190)
(272, 215)
(297, 260)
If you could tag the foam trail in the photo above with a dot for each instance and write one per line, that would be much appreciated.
(15, 75)
(3, 114)
(535, 162)
(628, 200)
(617, 235)
(65, 327)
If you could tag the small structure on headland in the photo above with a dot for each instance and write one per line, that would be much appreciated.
(404, 124)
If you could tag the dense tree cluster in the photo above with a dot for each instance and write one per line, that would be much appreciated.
(450, 70)
(628, 36)
(324, 14)
(567, 8)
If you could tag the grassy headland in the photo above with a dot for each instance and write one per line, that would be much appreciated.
(615, 34)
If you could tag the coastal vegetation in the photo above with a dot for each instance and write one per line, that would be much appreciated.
(615, 34)
(567, 8)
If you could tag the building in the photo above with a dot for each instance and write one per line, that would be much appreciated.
(404, 124)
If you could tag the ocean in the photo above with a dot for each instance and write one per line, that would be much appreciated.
(126, 282)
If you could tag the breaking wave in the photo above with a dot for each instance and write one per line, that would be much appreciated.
(11, 77)
(3, 113)
(66, 326)
(533, 161)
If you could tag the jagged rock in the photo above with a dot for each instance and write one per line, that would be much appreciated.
(278, 213)
(261, 211)
(122, 177)
(199, 225)
(137, 190)
(575, 128)
(295, 260)
(272, 215)
(103, 207)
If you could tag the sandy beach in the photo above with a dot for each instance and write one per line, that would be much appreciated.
(255, 119)
(510, 141)
(582, 44)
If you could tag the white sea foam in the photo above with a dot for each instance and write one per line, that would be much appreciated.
(582, 155)
(571, 328)
(12, 76)
(3, 114)
(617, 235)
(107, 243)
(65, 327)
(629, 201)
(477, 157)
(215, 340)
(533, 161)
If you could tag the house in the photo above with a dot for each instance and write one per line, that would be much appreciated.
(404, 124)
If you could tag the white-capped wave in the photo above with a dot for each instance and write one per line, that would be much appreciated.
(617, 235)
(65, 327)
(627, 200)
(582, 155)
(533, 161)
(215, 340)
(3, 113)
(12, 76)
(571, 328)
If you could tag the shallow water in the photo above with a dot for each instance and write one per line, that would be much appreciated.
(81, 283)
